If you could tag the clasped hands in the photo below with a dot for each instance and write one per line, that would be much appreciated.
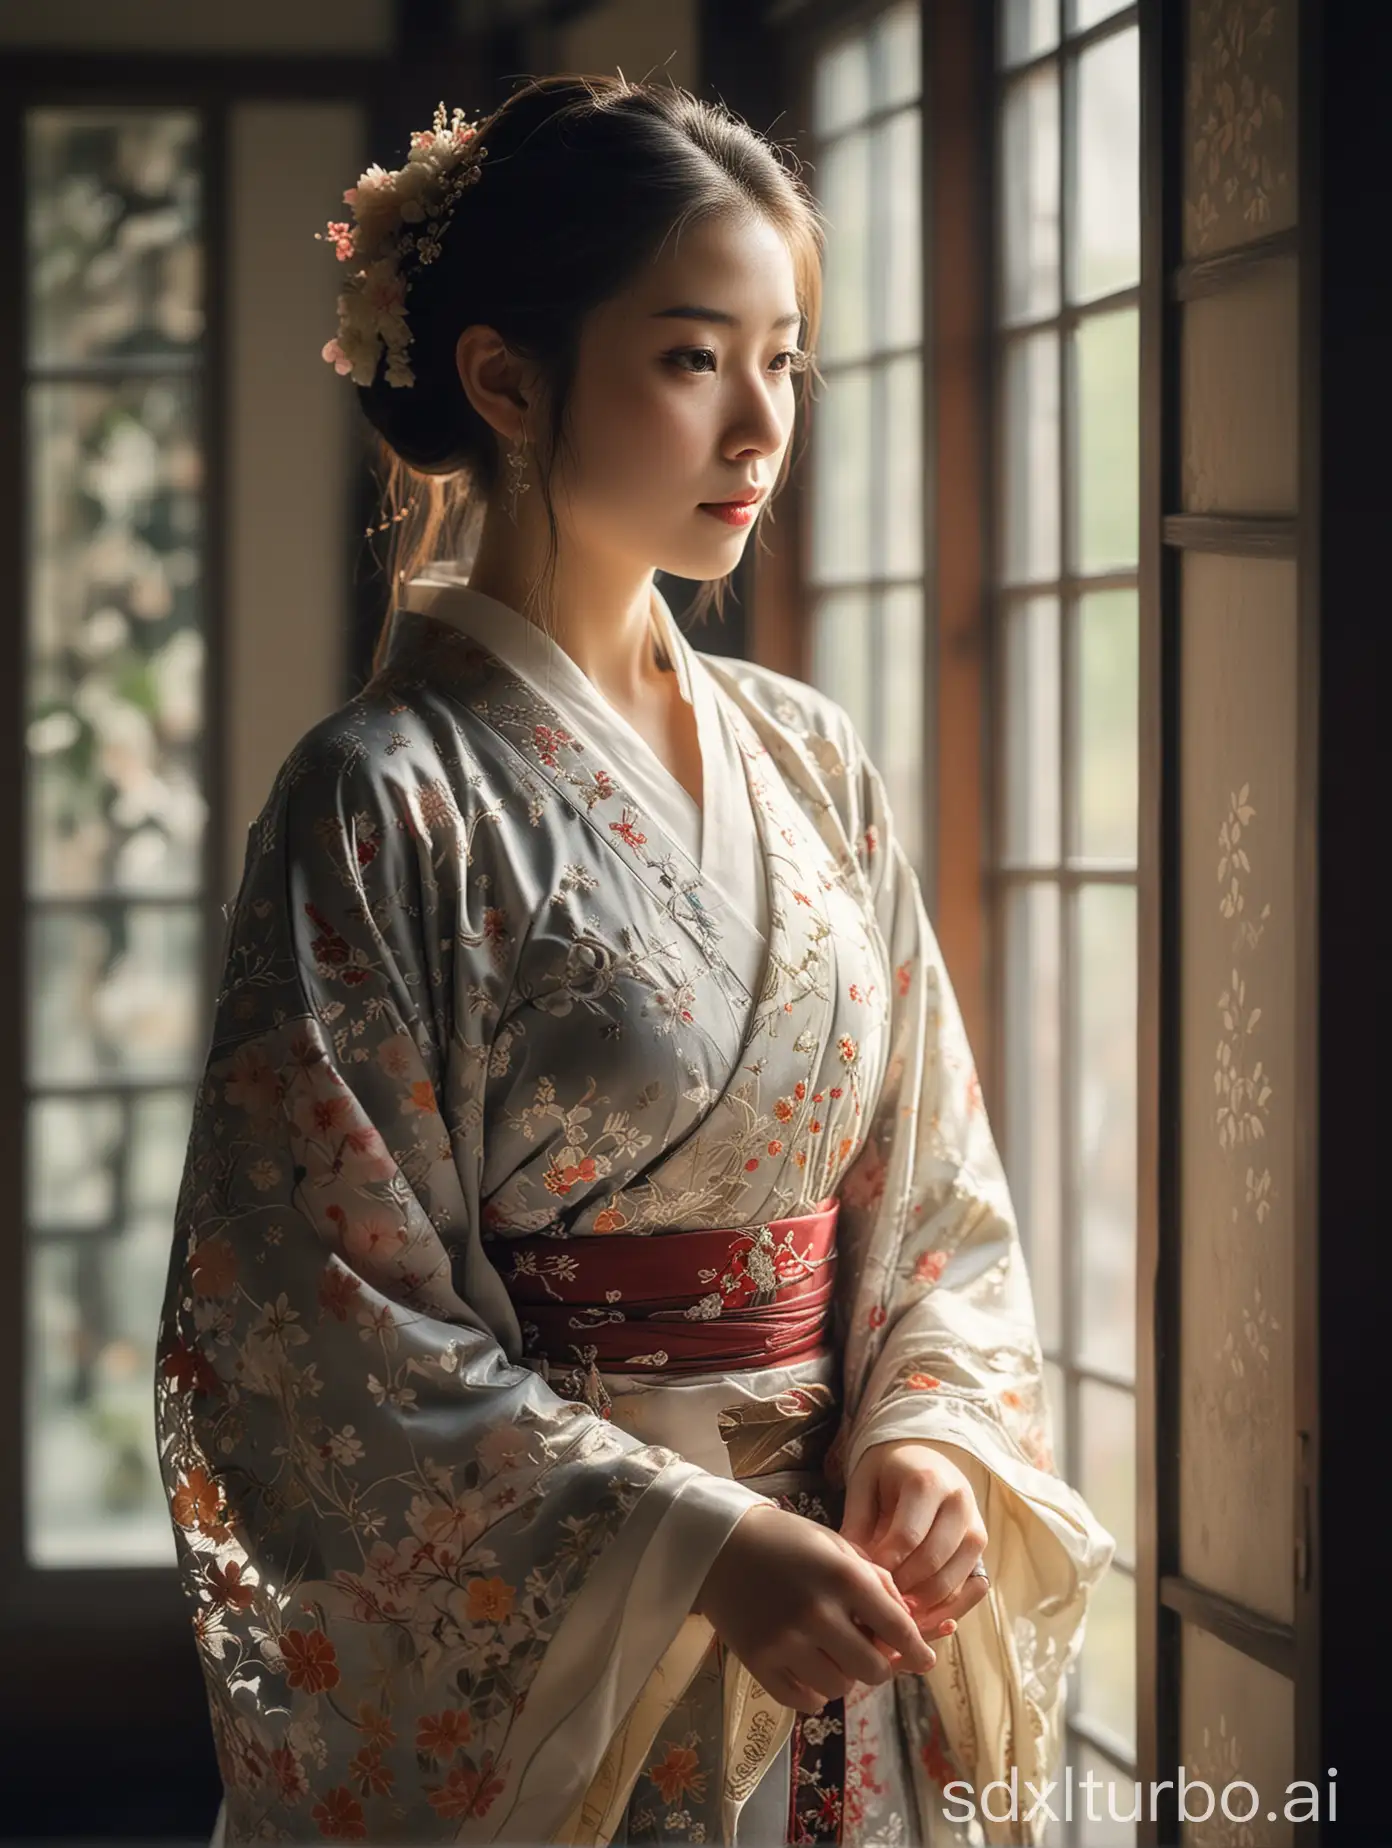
(911, 1512)
(810, 1611)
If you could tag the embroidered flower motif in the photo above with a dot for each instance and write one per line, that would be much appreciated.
(340, 1816)
(627, 830)
(677, 1773)
(311, 1661)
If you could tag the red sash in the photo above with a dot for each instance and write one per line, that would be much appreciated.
(675, 1302)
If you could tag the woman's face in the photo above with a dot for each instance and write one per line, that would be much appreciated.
(672, 409)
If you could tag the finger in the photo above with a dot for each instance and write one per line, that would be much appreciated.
(937, 1586)
(910, 1522)
(854, 1650)
(964, 1598)
(927, 1565)
(809, 1664)
(862, 1509)
(889, 1619)
(787, 1689)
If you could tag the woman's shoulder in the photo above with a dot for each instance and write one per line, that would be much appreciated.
(385, 738)
(817, 720)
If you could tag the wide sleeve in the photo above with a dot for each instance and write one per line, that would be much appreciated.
(426, 1590)
(941, 1344)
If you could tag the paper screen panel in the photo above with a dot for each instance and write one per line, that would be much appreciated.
(1237, 977)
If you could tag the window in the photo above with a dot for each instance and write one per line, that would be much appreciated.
(865, 559)
(1068, 269)
(115, 799)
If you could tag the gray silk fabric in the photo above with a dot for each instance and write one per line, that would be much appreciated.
(471, 990)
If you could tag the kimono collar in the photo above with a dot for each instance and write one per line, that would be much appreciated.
(442, 590)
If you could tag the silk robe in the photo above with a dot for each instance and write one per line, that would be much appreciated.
(474, 989)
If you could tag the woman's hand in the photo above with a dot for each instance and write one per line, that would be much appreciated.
(805, 1612)
(911, 1510)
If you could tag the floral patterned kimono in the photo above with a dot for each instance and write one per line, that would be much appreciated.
(451, 1437)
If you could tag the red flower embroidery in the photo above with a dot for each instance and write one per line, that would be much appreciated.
(627, 830)
(678, 1773)
(372, 1776)
(876, 1317)
(311, 1662)
(930, 1266)
(340, 1815)
(439, 1735)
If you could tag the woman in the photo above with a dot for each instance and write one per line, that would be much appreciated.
(598, 1372)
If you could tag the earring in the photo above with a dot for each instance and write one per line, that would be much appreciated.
(517, 469)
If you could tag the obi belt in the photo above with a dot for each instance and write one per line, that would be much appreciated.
(670, 1302)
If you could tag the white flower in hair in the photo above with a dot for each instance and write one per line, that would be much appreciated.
(398, 220)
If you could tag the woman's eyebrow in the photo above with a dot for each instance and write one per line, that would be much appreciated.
(691, 312)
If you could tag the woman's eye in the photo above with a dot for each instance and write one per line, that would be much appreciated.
(797, 360)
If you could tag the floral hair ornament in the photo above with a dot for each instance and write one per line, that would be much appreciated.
(399, 219)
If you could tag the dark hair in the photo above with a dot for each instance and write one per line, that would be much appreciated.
(585, 177)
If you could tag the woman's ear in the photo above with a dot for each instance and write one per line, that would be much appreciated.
(496, 382)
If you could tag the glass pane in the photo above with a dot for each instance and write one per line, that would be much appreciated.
(1029, 206)
(847, 205)
(1027, 27)
(898, 292)
(1106, 219)
(902, 466)
(75, 1146)
(843, 657)
(1105, 1123)
(1104, 1810)
(1031, 733)
(1106, 441)
(1108, 694)
(899, 749)
(895, 56)
(159, 1139)
(94, 1494)
(1107, 1674)
(1033, 1076)
(841, 480)
(1085, 13)
(1107, 1419)
(1031, 476)
(114, 207)
(116, 698)
(841, 86)
(114, 993)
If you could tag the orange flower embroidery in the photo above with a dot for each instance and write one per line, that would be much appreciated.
(465, 1792)
(422, 1096)
(677, 1774)
(225, 1585)
(783, 1110)
(372, 1776)
(610, 1220)
(439, 1735)
(490, 1600)
(375, 1724)
(214, 1268)
(930, 1266)
(196, 1501)
(922, 1382)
